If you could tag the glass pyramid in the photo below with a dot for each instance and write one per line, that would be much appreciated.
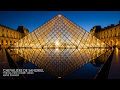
(60, 47)
(59, 32)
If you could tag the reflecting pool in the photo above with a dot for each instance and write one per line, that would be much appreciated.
(61, 63)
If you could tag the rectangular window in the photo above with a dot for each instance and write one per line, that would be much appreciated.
(10, 42)
(7, 35)
(2, 35)
(1, 42)
(115, 32)
(111, 33)
(104, 35)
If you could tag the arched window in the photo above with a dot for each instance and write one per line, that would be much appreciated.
(10, 42)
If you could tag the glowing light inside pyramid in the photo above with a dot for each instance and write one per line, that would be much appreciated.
(69, 47)
(59, 32)
(57, 49)
(57, 43)
(59, 15)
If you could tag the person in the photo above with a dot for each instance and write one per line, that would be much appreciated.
(114, 46)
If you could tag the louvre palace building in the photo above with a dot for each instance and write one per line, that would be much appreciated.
(62, 49)
(109, 34)
(8, 36)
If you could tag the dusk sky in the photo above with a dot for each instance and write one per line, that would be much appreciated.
(34, 19)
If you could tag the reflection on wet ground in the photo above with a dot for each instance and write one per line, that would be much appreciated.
(3, 62)
(114, 72)
(61, 63)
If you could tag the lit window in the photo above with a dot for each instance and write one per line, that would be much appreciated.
(6, 42)
(10, 42)
(57, 43)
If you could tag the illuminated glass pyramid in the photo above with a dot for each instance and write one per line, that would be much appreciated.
(59, 32)
(60, 47)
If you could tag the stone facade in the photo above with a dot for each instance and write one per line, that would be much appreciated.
(109, 34)
(9, 36)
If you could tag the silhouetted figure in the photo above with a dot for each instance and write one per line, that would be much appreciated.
(114, 46)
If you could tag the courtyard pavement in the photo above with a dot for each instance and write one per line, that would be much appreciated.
(114, 72)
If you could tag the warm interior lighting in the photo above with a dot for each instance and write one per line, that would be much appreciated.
(116, 51)
(56, 49)
(59, 15)
(57, 43)
(59, 77)
(59, 35)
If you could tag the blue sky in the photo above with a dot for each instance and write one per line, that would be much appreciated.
(34, 19)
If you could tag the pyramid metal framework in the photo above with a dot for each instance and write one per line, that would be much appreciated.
(59, 32)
